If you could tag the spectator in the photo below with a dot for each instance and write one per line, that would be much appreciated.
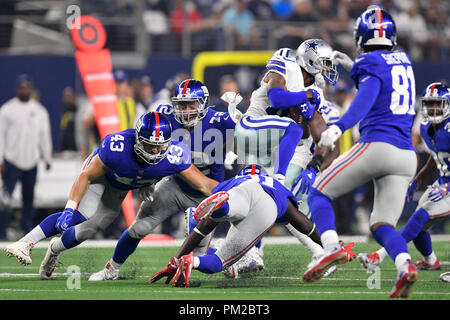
(240, 21)
(68, 121)
(282, 8)
(261, 10)
(227, 83)
(164, 96)
(146, 95)
(126, 106)
(25, 136)
(412, 32)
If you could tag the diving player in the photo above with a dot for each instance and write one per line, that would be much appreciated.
(252, 202)
(434, 205)
(278, 143)
(385, 106)
(126, 160)
(205, 132)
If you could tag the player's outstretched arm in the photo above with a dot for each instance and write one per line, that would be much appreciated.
(198, 180)
(302, 223)
(202, 229)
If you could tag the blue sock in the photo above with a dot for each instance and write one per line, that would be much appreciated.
(391, 240)
(414, 225)
(210, 263)
(211, 250)
(68, 238)
(48, 224)
(125, 247)
(258, 244)
(322, 212)
(222, 211)
(423, 243)
(286, 149)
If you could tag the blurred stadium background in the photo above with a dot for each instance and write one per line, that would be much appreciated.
(157, 43)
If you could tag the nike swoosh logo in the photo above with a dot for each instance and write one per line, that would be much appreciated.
(359, 59)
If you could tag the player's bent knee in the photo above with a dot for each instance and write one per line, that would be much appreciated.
(139, 229)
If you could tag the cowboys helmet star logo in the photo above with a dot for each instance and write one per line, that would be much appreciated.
(312, 45)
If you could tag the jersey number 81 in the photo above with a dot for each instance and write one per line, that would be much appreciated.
(403, 95)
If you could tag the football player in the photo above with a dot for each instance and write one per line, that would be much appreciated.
(205, 132)
(276, 107)
(252, 202)
(434, 205)
(125, 160)
(385, 106)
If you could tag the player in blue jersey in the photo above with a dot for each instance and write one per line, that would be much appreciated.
(126, 160)
(434, 205)
(205, 132)
(384, 106)
(252, 202)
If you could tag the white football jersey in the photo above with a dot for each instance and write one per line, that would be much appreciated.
(284, 63)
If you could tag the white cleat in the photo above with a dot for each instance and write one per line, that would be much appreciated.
(108, 273)
(50, 262)
(21, 250)
(250, 262)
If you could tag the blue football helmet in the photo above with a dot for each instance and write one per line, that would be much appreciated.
(153, 137)
(252, 169)
(436, 102)
(186, 93)
(375, 27)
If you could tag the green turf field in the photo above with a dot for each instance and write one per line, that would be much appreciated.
(281, 279)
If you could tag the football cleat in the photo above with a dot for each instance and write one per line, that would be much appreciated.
(21, 250)
(250, 262)
(315, 260)
(210, 204)
(185, 265)
(405, 281)
(423, 265)
(445, 277)
(168, 271)
(108, 273)
(339, 256)
(50, 262)
(369, 260)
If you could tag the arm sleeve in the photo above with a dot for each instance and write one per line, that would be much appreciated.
(282, 99)
(369, 87)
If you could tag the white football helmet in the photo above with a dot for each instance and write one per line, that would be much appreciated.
(314, 55)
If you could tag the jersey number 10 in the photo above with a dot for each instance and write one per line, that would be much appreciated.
(404, 90)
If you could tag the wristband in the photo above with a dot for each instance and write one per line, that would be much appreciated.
(198, 231)
(71, 204)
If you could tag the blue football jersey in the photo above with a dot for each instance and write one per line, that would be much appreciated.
(279, 193)
(125, 173)
(439, 144)
(206, 142)
(391, 117)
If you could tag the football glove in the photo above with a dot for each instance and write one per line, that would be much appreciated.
(438, 193)
(329, 137)
(69, 217)
(341, 58)
(233, 99)
(306, 110)
(168, 272)
(315, 100)
(411, 188)
(306, 179)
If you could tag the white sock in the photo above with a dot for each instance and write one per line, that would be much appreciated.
(115, 264)
(34, 235)
(58, 246)
(382, 253)
(330, 241)
(314, 248)
(196, 262)
(400, 260)
(431, 259)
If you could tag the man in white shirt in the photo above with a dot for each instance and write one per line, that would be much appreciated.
(25, 137)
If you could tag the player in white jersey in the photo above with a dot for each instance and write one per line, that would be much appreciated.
(271, 123)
